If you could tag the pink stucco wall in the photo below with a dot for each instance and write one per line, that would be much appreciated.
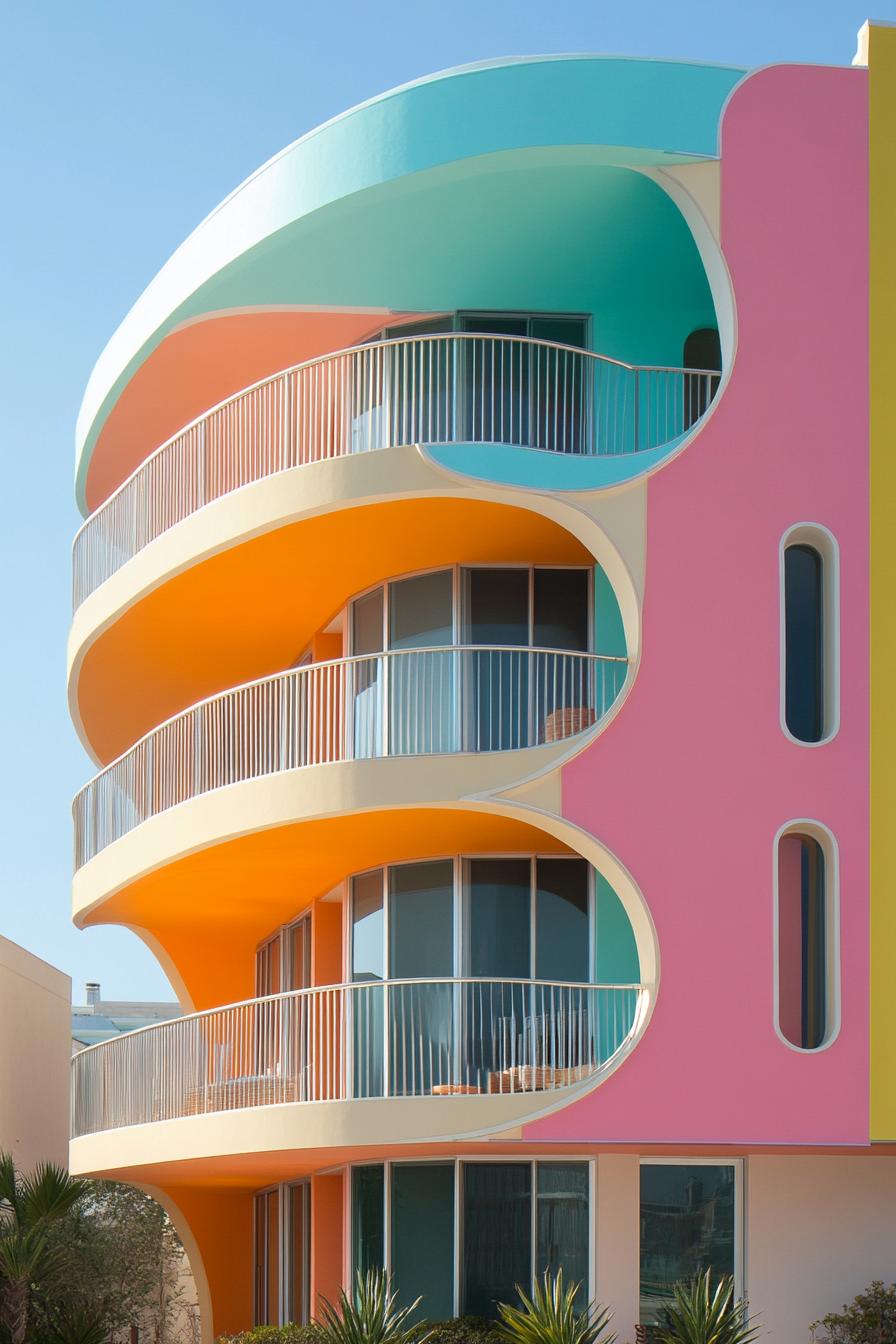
(693, 779)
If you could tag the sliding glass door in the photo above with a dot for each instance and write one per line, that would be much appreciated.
(496, 688)
(465, 1234)
(461, 942)
(364, 688)
(422, 1016)
(422, 1236)
(422, 685)
(497, 1250)
(368, 955)
(497, 928)
(481, 658)
(527, 395)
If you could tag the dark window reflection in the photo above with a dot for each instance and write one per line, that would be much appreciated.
(687, 1226)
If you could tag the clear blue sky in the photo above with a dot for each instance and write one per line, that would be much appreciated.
(123, 124)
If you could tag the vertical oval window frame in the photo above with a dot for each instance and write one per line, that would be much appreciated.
(817, 831)
(822, 540)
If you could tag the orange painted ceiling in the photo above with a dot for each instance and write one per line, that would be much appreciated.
(211, 909)
(203, 363)
(251, 610)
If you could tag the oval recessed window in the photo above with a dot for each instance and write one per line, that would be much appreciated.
(810, 636)
(806, 939)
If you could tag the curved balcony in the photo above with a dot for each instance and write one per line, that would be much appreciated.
(457, 1038)
(433, 390)
(413, 702)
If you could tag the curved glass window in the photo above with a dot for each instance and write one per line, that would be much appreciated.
(805, 934)
(804, 642)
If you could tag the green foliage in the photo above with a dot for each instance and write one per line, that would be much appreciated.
(869, 1319)
(701, 1314)
(466, 1330)
(550, 1316)
(372, 1316)
(458, 1330)
(275, 1334)
(30, 1206)
(76, 1325)
(127, 1257)
(82, 1259)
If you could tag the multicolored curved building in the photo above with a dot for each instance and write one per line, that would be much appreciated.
(483, 632)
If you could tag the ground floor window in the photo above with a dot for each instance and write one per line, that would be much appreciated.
(282, 1254)
(463, 1235)
(267, 1257)
(689, 1223)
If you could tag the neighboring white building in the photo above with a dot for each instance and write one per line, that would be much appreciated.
(99, 1019)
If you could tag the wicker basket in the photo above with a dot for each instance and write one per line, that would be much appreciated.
(563, 723)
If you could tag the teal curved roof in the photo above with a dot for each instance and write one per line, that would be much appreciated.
(605, 110)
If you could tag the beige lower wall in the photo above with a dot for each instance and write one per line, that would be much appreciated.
(35, 1053)
(817, 1230)
(617, 1238)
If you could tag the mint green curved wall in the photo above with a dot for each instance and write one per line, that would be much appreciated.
(493, 186)
(505, 233)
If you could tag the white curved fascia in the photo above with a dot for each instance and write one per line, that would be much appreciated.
(611, 525)
(320, 1127)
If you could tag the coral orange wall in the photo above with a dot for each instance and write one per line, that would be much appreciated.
(327, 1238)
(202, 363)
(327, 942)
(220, 1221)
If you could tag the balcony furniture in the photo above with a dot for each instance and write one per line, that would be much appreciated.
(232, 1094)
(329, 1044)
(563, 723)
(535, 1078)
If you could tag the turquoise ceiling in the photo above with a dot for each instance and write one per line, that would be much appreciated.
(505, 186)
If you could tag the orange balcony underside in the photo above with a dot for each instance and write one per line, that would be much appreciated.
(207, 912)
(251, 610)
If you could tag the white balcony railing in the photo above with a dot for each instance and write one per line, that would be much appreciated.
(411, 702)
(453, 388)
(399, 1038)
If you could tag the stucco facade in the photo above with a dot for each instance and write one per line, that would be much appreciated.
(35, 1053)
(477, 647)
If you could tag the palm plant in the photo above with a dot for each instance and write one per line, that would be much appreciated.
(701, 1314)
(29, 1206)
(550, 1316)
(371, 1316)
(77, 1325)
